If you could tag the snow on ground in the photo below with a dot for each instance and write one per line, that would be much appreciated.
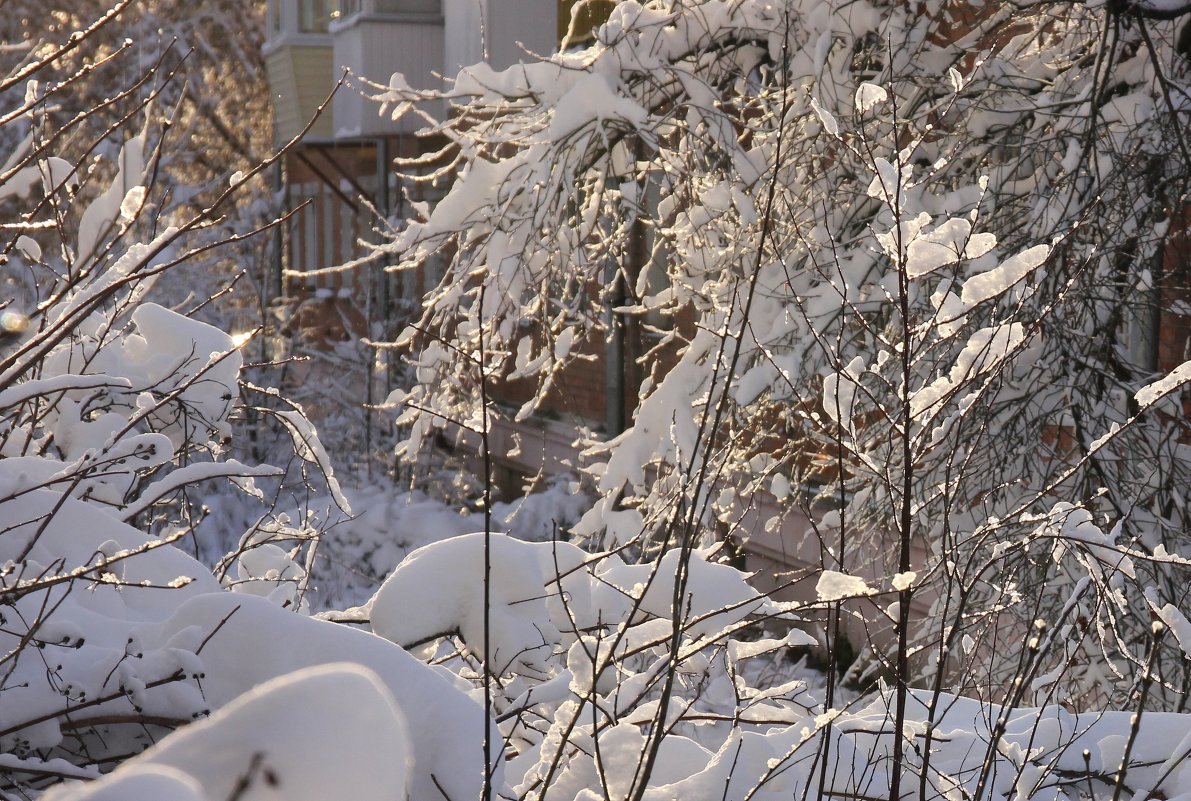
(358, 552)
(271, 743)
(294, 707)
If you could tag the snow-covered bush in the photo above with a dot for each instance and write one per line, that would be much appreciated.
(886, 273)
(914, 274)
(115, 417)
(905, 256)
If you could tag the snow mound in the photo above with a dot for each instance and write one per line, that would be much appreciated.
(273, 743)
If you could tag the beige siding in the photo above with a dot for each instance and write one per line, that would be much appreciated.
(300, 77)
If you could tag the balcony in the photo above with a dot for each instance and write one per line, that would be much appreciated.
(374, 39)
(310, 43)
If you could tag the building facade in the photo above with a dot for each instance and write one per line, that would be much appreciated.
(323, 59)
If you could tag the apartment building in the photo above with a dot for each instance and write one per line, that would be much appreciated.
(340, 178)
(340, 185)
(342, 172)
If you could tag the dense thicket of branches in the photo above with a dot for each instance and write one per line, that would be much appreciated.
(924, 249)
(902, 268)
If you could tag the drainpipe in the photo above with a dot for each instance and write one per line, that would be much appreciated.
(622, 367)
(1153, 334)
(614, 387)
(277, 281)
(384, 205)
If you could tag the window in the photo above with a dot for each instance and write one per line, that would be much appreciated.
(408, 6)
(314, 15)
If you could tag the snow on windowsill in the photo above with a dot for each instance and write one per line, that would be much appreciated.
(295, 39)
(402, 18)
